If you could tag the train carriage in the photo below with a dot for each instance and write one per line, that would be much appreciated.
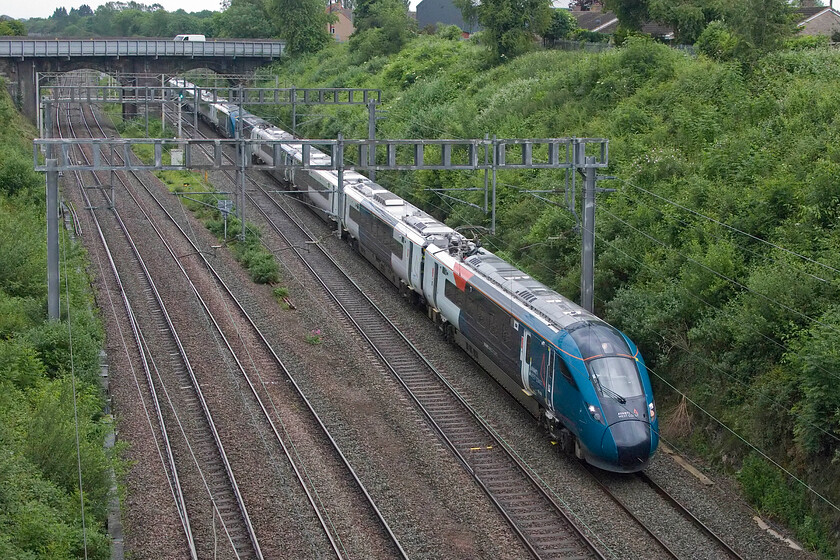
(582, 377)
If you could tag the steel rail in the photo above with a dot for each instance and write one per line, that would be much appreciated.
(196, 387)
(286, 372)
(595, 476)
(688, 515)
(172, 476)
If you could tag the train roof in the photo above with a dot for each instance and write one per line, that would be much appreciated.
(557, 310)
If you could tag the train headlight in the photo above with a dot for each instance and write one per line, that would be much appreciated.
(595, 413)
(652, 409)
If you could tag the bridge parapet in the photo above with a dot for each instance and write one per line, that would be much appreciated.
(22, 59)
(39, 48)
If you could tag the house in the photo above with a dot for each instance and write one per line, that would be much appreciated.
(434, 12)
(343, 27)
(818, 20)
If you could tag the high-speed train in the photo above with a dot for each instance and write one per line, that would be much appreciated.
(584, 379)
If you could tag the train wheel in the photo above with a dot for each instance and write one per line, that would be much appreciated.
(578, 450)
(567, 441)
(449, 333)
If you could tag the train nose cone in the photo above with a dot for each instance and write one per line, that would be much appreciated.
(632, 439)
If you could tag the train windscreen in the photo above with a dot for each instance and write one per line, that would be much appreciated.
(608, 358)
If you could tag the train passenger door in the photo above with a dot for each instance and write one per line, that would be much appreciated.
(430, 281)
(549, 380)
(525, 359)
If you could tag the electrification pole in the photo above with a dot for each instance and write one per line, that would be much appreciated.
(587, 273)
(371, 136)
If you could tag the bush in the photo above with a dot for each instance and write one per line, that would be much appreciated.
(261, 266)
(449, 32)
(17, 174)
(805, 42)
(717, 42)
(774, 495)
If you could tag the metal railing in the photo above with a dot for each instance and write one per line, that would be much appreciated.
(40, 48)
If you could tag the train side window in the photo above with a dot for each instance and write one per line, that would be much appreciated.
(396, 246)
(560, 365)
(454, 295)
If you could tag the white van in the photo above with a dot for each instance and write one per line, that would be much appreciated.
(190, 38)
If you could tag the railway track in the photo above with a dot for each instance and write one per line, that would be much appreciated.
(542, 524)
(664, 541)
(204, 442)
(286, 409)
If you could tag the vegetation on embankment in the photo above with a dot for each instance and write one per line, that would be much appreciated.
(40, 511)
(718, 252)
(195, 193)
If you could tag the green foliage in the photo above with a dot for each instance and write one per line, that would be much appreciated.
(590, 36)
(382, 27)
(20, 365)
(280, 294)
(40, 513)
(243, 19)
(759, 26)
(301, 23)
(775, 495)
(261, 265)
(803, 42)
(12, 27)
(717, 42)
(814, 357)
(450, 32)
(632, 14)
(688, 18)
(16, 173)
(23, 249)
(563, 24)
(124, 19)
(49, 440)
(510, 26)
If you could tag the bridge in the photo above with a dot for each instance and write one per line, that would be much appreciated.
(23, 58)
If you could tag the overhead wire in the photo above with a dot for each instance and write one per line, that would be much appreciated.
(729, 375)
(735, 282)
(75, 404)
(756, 254)
(747, 442)
(721, 275)
(729, 227)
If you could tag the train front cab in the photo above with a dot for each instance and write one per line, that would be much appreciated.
(616, 418)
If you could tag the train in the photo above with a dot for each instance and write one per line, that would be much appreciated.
(579, 376)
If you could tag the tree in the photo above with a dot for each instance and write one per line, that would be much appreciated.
(688, 18)
(759, 26)
(12, 27)
(716, 42)
(382, 27)
(562, 24)
(631, 14)
(301, 23)
(244, 18)
(510, 26)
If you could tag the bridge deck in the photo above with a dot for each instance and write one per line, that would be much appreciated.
(66, 48)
